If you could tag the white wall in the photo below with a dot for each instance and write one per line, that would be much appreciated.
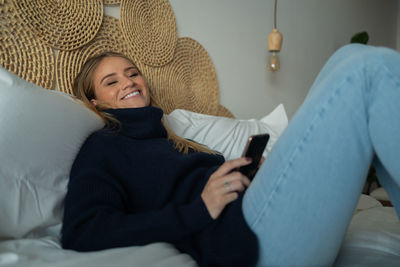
(234, 32)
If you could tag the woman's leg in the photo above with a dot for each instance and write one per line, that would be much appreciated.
(303, 197)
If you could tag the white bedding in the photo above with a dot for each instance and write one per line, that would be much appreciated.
(373, 239)
(46, 252)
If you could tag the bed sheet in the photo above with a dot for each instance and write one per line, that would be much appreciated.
(373, 239)
(46, 252)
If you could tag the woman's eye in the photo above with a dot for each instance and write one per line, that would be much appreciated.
(134, 74)
(111, 83)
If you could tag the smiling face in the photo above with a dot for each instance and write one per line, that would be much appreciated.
(118, 84)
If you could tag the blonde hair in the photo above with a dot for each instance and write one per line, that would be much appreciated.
(83, 89)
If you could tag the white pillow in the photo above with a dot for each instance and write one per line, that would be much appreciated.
(372, 239)
(226, 135)
(41, 132)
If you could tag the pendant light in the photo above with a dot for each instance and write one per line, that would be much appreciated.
(274, 45)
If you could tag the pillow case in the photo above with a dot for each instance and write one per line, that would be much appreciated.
(226, 135)
(41, 132)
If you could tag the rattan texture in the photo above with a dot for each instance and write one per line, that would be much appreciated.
(21, 53)
(224, 112)
(62, 24)
(112, 2)
(150, 29)
(69, 63)
(188, 82)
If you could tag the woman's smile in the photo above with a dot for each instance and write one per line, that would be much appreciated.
(133, 94)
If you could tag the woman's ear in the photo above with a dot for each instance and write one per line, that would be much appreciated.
(93, 101)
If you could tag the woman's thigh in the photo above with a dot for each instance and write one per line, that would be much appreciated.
(303, 197)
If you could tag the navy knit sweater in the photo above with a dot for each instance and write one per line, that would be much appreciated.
(131, 187)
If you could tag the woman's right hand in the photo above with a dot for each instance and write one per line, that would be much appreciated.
(223, 186)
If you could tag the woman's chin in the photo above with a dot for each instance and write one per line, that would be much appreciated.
(132, 104)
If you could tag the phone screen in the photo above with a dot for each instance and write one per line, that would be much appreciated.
(254, 149)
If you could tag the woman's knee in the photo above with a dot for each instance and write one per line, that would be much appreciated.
(356, 53)
(365, 55)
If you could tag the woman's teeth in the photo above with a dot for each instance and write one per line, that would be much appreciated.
(131, 94)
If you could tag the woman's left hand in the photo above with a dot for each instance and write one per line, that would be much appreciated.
(223, 186)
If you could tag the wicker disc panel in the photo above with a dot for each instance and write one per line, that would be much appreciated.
(62, 24)
(150, 29)
(69, 63)
(21, 53)
(111, 2)
(188, 82)
(224, 112)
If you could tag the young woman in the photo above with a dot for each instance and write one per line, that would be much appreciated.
(135, 182)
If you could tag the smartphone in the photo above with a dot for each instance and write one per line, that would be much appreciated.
(254, 149)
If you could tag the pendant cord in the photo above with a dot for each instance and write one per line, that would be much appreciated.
(276, 3)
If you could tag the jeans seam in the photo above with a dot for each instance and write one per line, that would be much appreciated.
(384, 69)
(387, 70)
(299, 147)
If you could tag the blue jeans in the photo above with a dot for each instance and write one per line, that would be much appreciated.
(304, 195)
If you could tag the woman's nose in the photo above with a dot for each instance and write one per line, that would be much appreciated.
(128, 82)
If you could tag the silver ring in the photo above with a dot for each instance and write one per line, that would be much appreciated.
(227, 184)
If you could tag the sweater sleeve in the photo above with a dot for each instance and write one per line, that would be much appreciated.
(95, 217)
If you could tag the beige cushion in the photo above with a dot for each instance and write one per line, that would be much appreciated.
(380, 194)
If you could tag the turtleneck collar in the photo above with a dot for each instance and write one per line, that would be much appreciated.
(140, 123)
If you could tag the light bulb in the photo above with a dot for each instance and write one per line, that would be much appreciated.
(274, 46)
(273, 61)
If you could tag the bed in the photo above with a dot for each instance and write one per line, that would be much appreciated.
(42, 131)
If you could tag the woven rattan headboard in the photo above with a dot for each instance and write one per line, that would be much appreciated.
(44, 41)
